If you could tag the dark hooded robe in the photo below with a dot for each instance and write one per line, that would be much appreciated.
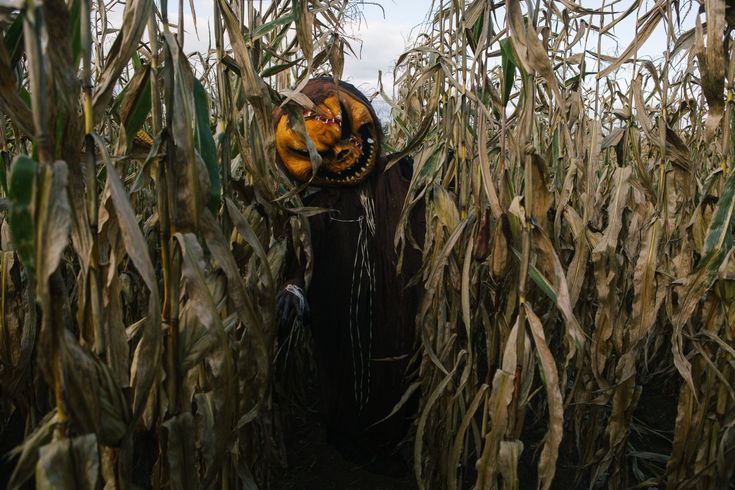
(362, 309)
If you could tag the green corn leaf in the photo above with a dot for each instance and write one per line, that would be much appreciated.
(509, 68)
(20, 193)
(13, 39)
(264, 29)
(275, 69)
(718, 234)
(76, 30)
(539, 279)
(4, 159)
(134, 103)
(205, 145)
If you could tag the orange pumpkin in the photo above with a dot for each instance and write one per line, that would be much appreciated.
(345, 132)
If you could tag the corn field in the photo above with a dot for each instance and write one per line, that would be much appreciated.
(577, 322)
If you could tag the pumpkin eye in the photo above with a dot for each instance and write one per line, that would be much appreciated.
(364, 128)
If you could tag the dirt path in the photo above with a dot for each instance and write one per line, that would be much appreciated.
(316, 465)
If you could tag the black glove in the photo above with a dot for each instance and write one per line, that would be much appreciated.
(292, 309)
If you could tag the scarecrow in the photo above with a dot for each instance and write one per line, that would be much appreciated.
(362, 308)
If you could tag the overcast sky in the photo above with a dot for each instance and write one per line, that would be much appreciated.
(380, 36)
(386, 32)
(384, 39)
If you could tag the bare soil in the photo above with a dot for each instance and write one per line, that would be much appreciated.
(314, 464)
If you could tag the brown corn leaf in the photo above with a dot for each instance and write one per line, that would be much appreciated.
(69, 463)
(712, 62)
(337, 57)
(10, 101)
(651, 20)
(542, 198)
(181, 458)
(219, 359)
(147, 356)
(53, 221)
(697, 284)
(455, 453)
(648, 293)
(255, 89)
(421, 426)
(530, 52)
(550, 452)
(191, 180)
(617, 203)
(497, 409)
(484, 164)
(508, 457)
(577, 269)
(92, 395)
(133, 24)
(304, 30)
(574, 334)
(28, 451)
(499, 254)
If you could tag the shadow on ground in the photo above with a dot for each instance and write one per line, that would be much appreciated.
(314, 464)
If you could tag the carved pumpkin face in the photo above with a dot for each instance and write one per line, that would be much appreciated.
(344, 130)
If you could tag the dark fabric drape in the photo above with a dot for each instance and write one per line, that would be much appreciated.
(362, 313)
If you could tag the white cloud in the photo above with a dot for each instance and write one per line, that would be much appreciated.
(382, 43)
(377, 42)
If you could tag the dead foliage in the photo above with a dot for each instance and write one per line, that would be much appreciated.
(577, 323)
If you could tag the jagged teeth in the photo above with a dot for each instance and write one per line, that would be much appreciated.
(326, 120)
(363, 171)
(360, 174)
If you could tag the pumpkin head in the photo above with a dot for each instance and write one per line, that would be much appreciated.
(344, 129)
